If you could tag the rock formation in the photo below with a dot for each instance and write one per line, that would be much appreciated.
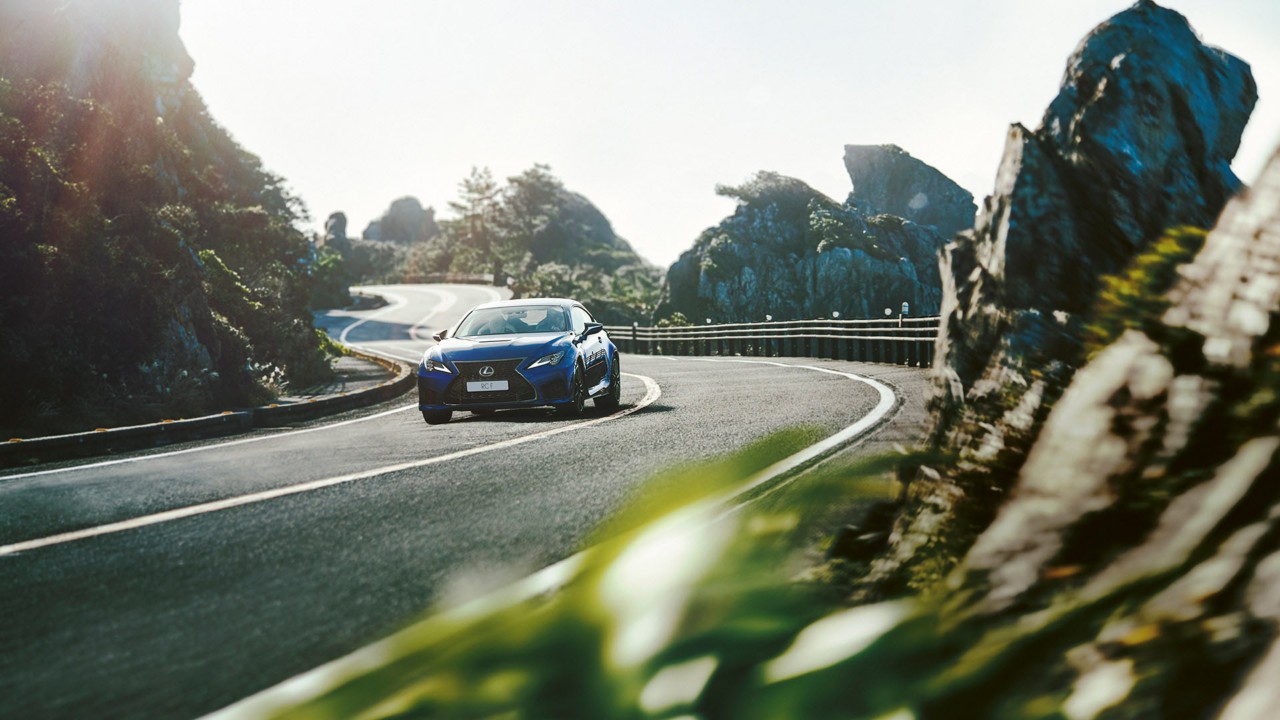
(1135, 569)
(886, 179)
(1138, 140)
(790, 252)
(335, 234)
(405, 222)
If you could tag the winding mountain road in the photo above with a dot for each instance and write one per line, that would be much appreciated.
(171, 583)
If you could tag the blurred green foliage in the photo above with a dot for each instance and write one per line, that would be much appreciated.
(682, 607)
(690, 606)
(1137, 298)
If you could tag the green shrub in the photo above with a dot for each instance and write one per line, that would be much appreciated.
(1137, 298)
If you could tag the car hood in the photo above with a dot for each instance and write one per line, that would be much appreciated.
(502, 347)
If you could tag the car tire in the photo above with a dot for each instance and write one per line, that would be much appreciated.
(612, 399)
(437, 417)
(579, 389)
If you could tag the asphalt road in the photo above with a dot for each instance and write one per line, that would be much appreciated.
(170, 584)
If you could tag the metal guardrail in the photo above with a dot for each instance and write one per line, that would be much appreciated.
(899, 341)
(17, 452)
(455, 279)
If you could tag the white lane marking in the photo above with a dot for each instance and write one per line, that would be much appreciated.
(202, 448)
(397, 303)
(652, 393)
(311, 684)
(446, 302)
(887, 403)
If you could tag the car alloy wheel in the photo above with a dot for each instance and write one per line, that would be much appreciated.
(579, 403)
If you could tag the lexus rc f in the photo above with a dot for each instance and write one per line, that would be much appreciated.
(519, 354)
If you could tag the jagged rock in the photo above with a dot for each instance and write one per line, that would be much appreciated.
(1143, 533)
(790, 252)
(335, 234)
(886, 179)
(1138, 141)
(406, 222)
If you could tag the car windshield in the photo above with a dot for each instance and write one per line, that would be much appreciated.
(513, 320)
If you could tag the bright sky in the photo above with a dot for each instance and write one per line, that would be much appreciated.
(645, 105)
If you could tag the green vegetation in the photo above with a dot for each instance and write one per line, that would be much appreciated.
(531, 233)
(150, 267)
(1137, 298)
(782, 211)
(545, 239)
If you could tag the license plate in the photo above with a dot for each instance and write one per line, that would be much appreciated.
(487, 386)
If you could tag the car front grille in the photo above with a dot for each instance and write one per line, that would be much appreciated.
(519, 389)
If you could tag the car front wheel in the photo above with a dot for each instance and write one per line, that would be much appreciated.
(437, 417)
(579, 388)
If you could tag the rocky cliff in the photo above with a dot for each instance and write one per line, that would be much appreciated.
(886, 179)
(790, 252)
(1135, 570)
(150, 267)
(1138, 141)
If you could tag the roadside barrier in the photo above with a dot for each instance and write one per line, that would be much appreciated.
(455, 279)
(135, 437)
(897, 341)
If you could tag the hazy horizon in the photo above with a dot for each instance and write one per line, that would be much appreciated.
(645, 108)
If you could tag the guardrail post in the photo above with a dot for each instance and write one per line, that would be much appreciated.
(908, 343)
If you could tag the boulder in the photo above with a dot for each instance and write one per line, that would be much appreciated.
(335, 234)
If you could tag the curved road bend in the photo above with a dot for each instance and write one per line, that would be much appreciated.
(180, 617)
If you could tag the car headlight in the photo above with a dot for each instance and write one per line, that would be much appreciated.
(433, 365)
(551, 359)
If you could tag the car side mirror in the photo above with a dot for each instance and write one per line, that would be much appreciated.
(591, 329)
(440, 335)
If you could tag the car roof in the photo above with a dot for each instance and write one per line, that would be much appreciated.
(561, 302)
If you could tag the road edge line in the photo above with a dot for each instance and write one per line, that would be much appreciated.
(653, 392)
(310, 684)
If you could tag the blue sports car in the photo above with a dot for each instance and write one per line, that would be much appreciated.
(516, 354)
